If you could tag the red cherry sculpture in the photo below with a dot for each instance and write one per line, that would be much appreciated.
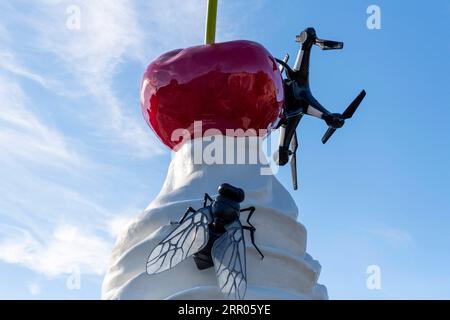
(230, 85)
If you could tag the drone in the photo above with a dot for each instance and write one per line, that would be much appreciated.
(214, 236)
(299, 101)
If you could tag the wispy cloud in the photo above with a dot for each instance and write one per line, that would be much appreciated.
(23, 135)
(8, 62)
(393, 236)
(34, 204)
(29, 147)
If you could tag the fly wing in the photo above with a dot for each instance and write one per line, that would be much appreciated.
(187, 238)
(228, 253)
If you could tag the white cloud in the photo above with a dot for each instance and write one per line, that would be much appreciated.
(34, 289)
(172, 24)
(23, 135)
(8, 62)
(109, 33)
(119, 223)
(68, 248)
(29, 147)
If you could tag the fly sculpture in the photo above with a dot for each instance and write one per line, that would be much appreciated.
(214, 236)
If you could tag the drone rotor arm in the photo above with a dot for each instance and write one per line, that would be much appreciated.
(314, 108)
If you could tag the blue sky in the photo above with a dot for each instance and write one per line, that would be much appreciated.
(77, 160)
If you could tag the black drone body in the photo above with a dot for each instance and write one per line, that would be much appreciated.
(214, 236)
(299, 100)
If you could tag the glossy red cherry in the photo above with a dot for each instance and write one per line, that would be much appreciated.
(230, 85)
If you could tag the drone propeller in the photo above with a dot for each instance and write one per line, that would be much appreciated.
(329, 44)
(328, 134)
(294, 146)
(290, 74)
(347, 114)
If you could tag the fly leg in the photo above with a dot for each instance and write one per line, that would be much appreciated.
(207, 198)
(189, 210)
(252, 210)
(252, 229)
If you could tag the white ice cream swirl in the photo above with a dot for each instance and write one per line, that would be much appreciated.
(287, 271)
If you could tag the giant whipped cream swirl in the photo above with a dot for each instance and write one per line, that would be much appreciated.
(287, 271)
